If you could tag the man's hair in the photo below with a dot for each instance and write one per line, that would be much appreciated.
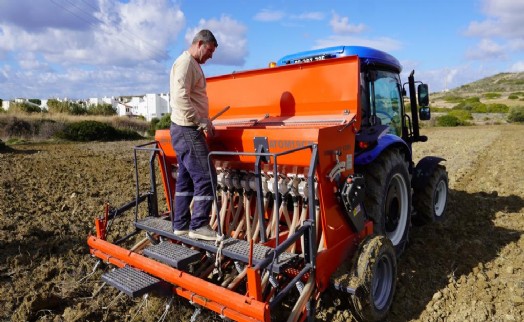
(206, 37)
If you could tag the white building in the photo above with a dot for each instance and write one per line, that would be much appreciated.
(149, 106)
(104, 100)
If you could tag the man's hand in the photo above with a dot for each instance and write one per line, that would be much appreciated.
(207, 125)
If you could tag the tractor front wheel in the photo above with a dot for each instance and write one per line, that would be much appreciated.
(374, 272)
(430, 201)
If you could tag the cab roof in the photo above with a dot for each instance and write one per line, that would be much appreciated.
(368, 56)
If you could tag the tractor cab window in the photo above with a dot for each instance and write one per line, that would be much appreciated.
(385, 99)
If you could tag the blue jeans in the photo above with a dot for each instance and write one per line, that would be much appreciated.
(194, 178)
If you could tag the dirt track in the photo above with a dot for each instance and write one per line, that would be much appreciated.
(468, 268)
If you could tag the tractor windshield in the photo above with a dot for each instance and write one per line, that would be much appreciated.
(385, 96)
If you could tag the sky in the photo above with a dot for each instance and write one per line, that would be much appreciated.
(82, 49)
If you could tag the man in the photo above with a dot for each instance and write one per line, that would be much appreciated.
(189, 118)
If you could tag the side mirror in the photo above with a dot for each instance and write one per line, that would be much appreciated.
(423, 102)
(424, 113)
(423, 95)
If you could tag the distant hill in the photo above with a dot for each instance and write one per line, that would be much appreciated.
(502, 88)
(503, 82)
(499, 83)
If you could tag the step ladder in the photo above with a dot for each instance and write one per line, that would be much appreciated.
(174, 255)
(133, 282)
(235, 249)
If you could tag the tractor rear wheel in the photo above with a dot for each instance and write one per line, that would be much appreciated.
(375, 273)
(388, 197)
(430, 201)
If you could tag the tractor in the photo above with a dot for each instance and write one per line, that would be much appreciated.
(316, 189)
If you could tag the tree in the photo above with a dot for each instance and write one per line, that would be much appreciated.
(102, 109)
(56, 106)
(35, 101)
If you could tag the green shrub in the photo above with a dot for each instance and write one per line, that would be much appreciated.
(102, 109)
(152, 126)
(497, 108)
(129, 123)
(479, 108)
(35, 101)
(452, 98)
(470, 106)
(86, 131)
(492, 95)
(55, 106)
(77, 109)
(439, 109)
(462, 115)
(449, 121)
(513, 97)
(516, 114)
(164, 123)
(24, 107)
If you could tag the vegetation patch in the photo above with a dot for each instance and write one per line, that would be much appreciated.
(449, 121)
(492, 95)
(86, 131)
(462, 115)
(516, 114)
(453, 98)
(16, 127)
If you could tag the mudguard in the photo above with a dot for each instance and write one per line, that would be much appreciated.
(423, 171)
(383, 143)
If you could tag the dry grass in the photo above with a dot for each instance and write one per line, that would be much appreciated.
(42, 126)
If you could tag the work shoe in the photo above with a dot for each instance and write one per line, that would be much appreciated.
(204, 233)
(180, 232)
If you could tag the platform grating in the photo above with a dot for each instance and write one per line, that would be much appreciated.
(131, 281)
(236, 249)
(174, 255)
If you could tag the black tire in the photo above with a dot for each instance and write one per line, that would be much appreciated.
(430, 201)
(375, 270)
(388, 197)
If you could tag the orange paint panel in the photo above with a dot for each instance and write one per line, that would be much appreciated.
(226, 298)
(320, 88)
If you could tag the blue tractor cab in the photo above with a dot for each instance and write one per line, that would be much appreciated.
(368, 56)
(383, 147)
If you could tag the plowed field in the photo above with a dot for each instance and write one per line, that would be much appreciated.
(467, 268)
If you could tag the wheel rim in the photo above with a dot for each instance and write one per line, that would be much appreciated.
(396, 209)
(382, 283)
(441, 194)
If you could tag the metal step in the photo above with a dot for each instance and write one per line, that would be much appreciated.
(233, 248)
(132, 281)
(174, 255)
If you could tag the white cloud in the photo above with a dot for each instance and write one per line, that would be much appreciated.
(503, 22)
(81, 83)
(266, 15)
(517, 67)
(504, 19)
(119, 33)
(341, 25)
(382, 43)
(86, 48)
(231, 37)
(314, 15)
(450, 77)
(487, 49)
